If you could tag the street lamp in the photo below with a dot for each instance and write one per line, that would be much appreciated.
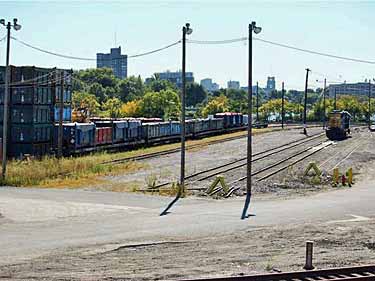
(186, 30)
(305, 102)
(256, 30)
(16, 27)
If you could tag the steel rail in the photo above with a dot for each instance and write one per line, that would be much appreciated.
(266, 153)
(356, 273)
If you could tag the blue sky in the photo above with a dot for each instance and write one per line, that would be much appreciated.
(83, 28)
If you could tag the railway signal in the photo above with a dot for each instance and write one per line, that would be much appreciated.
(16, 27)
(256, 30)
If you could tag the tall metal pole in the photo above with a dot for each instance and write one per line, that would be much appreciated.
(257, 102)
(335, 99)
(324, 103)
(305, 102)
(282, 105)
(249, 125)
(6, 101)
(61, 112)
(182, 172)
(369, 103)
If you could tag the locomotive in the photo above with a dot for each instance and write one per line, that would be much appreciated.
(338, 125)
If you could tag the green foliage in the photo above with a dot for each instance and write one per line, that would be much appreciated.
(216, 105)
(164, 104)
(131, 88)
(113, 107)
(195, 94)
(83, 100)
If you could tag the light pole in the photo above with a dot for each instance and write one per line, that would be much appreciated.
(335, 98)
(186, 30)
(324, 103)
(305, 102)
(16, 27)
(256, 30)
(282, 105)
(369, 103)
(257, 102)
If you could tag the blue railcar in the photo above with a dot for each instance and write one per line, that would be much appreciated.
(76, 135)
(134, 130)
(175, 128)
(120, 131)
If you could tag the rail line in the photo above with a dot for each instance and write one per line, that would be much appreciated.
(266, 153)
(174, 150)
(356, 273)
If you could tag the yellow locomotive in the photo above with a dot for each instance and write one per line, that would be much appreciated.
(338, 125)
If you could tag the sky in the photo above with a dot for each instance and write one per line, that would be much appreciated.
(84, 28)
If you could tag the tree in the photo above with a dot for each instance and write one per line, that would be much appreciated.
(156, 85)
(195, 94)
(131, 88)
(132, 109)
(85, 102)
(98, 91)
(113, 107)
(164, 104)
(216, 105)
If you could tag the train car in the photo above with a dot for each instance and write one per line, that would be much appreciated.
(338, 125)
(76, 136)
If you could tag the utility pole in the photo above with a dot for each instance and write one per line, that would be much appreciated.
(324, 103)
(256, 29)
(369, 103)
(305, 102)
(335, 99)
(61, 113)
(185, 30)
(257, 101)
(16, 27)
(282, 105)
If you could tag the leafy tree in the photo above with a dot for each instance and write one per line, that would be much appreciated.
(195, 94)
(86, 102)
(103, 76)
(113, 107)
(216, 105)
(131, 109)
(131, 88)
(98, 91)
(164, 104)
(156, 85)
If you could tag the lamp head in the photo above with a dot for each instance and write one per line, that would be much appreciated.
(257, 29)
(2, 21)
(188, 29)
(17, 27)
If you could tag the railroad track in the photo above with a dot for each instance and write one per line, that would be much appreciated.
(356, 273)
(238, 163)
(174, 150)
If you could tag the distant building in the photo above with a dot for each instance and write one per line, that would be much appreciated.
(361, 88)
(271, 85)
(233, 85)
(173, 77)
(114, 60)
(254, 89)
(209, 86)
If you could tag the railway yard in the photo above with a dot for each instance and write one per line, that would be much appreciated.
(94, 233)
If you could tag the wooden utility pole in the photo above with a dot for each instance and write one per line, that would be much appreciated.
(61, 113)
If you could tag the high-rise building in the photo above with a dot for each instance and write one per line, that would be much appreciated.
(209, 86)
(271, 84)
(114, 60)
(174, 77)
(233, 85)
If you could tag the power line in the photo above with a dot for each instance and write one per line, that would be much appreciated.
(91, 59)
(217, 42)
(315, 52)
(3, 39)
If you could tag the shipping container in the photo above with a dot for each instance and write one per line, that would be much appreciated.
(26, 133)
(67, 94)
(32, 75)
(67, 113)
(37, 114)
(19, 150)
(31, 95)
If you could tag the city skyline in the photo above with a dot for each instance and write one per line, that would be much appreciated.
(94, 26)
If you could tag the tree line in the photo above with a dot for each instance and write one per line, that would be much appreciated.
(99, 93)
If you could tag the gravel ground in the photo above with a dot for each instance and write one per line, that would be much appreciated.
(166, 168)
(265, 249)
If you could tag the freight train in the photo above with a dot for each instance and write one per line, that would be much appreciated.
(127, 132)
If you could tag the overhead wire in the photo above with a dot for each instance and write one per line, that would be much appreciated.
(93, 59)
